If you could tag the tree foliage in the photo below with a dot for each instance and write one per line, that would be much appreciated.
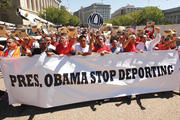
(59, 16)
(140, 17)
(5, 4)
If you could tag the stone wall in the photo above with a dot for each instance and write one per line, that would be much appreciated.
(10, 16)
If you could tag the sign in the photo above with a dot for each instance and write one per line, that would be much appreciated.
(19, 33)
(34, 29)
(53, 81)
(72, 32)
(2, 31)
(95, 21)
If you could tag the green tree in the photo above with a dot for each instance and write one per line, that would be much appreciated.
(140, 17)
(5, 4)
(74, 21)
(59, 16)
(151, 13)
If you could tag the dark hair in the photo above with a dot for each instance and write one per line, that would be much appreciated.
(84, 32)
(82, 36)
(114, 38)
(101, 36)
(14, 39)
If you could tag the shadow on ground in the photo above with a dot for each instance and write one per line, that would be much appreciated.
(24, 110)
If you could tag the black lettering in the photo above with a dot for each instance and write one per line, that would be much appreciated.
(29, 80)
(93, 80)
(36, 80)
(57, 80)
(148, 72)
(121, 74)
(112, 74)
(98, 73)
(159, 74)
(128, 74)
(105, 76)
(153, 68)
(141, 72)
(84, 78)
(134, 72)
(163, 70)
(170, 69)
(48, 80)
(65, 79)
(13, 80)
(21, 80)
(75, 79)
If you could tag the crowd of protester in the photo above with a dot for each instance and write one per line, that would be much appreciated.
(89, 42)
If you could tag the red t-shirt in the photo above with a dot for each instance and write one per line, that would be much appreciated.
(130, 47)
(161, 47)
(64, 50)
(101, 49)
(55, 44)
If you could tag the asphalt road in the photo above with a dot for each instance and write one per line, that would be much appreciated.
(158, 106)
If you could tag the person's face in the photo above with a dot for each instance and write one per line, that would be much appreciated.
(53, 39)
(85, 34)
(64, 40)
(114, 44)
(43, 46)
(144, 39)
(132, 39)
(11, 44)
(48, 40)
(174, 35)
(83, 42)
(100, 40)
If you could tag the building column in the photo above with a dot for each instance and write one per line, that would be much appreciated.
(25, 4)
(47, 2)
(29, 4)
(44, 4)
(40, 5)
(37, 5)
(52, 3)
(33, 5)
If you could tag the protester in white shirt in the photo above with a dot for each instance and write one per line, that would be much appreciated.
(82, 48)
(148, 45)
(50, 46)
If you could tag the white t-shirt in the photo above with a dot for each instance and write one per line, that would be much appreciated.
(140, 46)
(78, 48)
(149, 45)
(51, 47)
(35, 45)
(152, 43)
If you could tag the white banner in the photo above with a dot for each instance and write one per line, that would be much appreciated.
(53, 81)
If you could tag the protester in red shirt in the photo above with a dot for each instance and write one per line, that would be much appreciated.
(167, 44)
(53, 41)
(65, 45)
(129, 44)
(100, 46)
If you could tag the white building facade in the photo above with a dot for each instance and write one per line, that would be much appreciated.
(38, 5)
(31, 6)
